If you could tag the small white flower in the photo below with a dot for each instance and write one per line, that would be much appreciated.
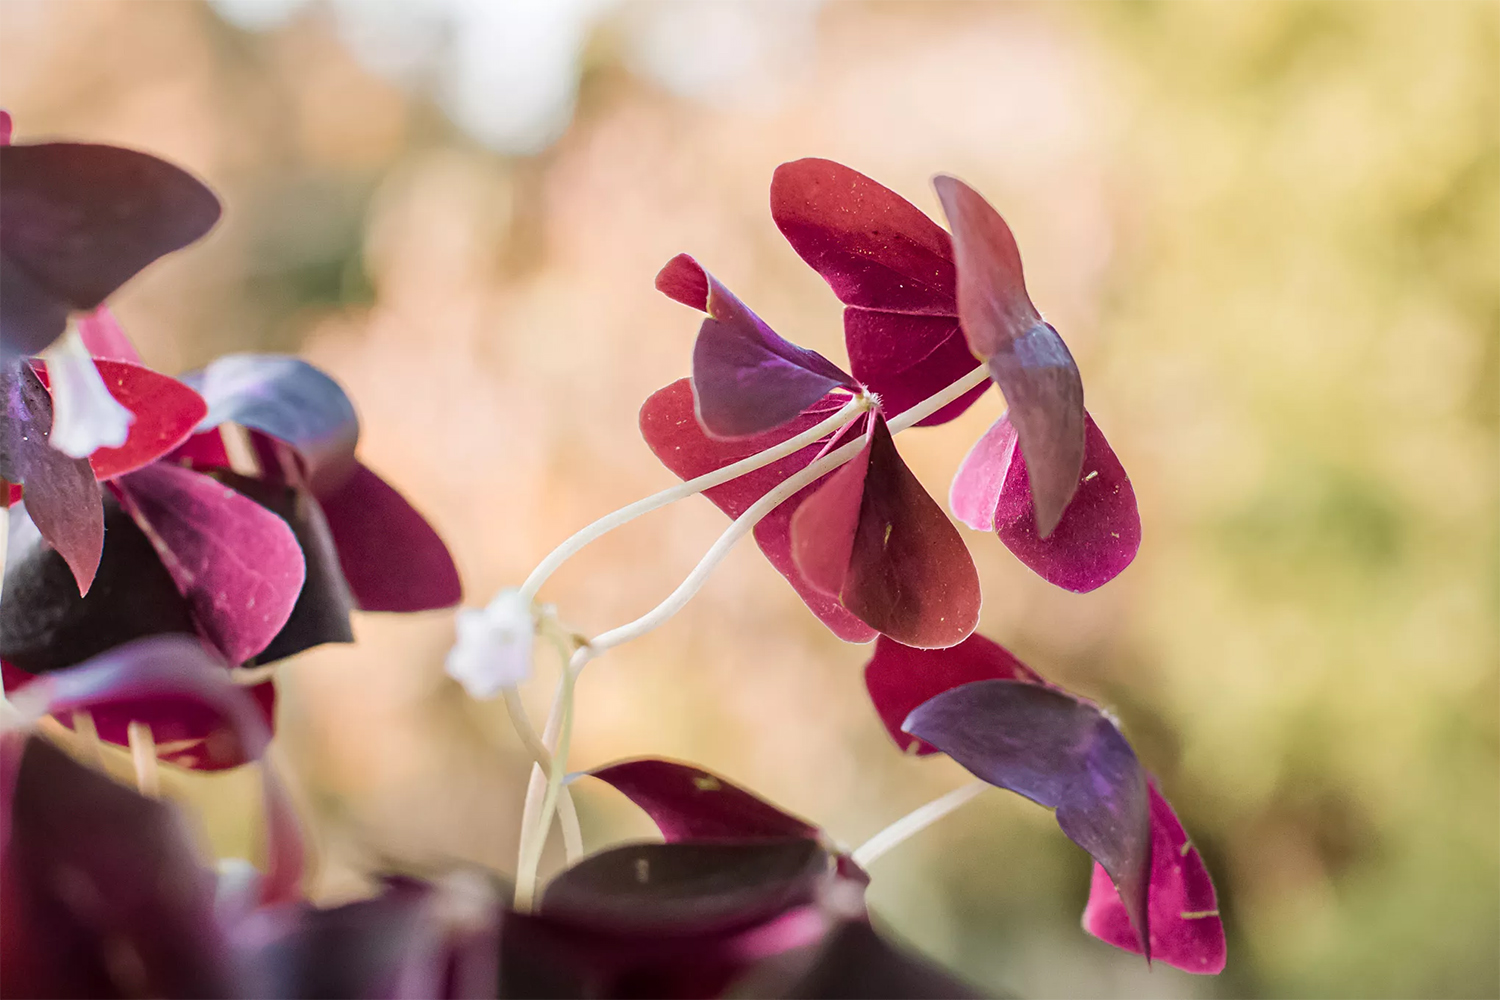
(85, 417)
(493, 651)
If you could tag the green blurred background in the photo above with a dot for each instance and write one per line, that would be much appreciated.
(1269, 231)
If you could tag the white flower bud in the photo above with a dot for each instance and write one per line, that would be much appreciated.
(493, 651)
(85, 417)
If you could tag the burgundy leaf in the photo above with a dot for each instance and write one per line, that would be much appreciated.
(391, 557)
(238, 565)
(1099, 533)
(291, 401)
(62, 495)
(1060, 752)
(904, 359)
(1186, 931)
(852, 962)
(102, 336)
(102, 893)
(688, 803)
(906, 571)
(672, 431)
(899, 678)
(746, 378)
(76, 222)
(6, 126)
(1027, 359)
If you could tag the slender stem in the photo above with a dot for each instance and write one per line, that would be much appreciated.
(531, 849)
(846, 414)
(88, 734)
(915, 822)
(567, 812)
(143, 755)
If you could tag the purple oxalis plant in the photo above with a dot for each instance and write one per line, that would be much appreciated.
(170, 541)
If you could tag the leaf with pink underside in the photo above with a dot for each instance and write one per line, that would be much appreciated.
(1099, 533)
(689, 803)
(746, 377)
(899, 678)
(1186, 931)
(103, 337)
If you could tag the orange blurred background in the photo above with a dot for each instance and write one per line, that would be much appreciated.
(1270, 233)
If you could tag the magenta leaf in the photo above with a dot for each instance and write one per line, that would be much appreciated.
(76, 222)
(238, 565)
(62, 495)
(899, 678)
(1099, 533)
(1027, 359)
(291, 401)
(391, 557)
(103, 338)
(746, 377)
(1186, 931)
(672, 431)
(102, 893)
(688, 803)
(905, 571)
(1059, 752)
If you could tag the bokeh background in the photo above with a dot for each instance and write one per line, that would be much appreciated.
(1269, 231)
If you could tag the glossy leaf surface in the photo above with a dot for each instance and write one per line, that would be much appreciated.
(688, 803)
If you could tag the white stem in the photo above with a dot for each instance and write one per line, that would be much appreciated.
(567, 812)
(143, 756)
(914, 822)
(852, 409)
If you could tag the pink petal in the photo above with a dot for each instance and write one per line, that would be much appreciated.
(899, 678)
(1099, 533)
(1183, 908)
(674, 435)
(689, 803)
(102, 335)
(1027, 358)
(238, 565)
(391, 556)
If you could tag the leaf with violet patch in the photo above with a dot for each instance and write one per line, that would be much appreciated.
(688, 803)
(1099, 533)
(1027, 359)
(62, 495)
(900, 677)
(76, 222)
(872, 535)
(1186, 931)
(238, 565)
(1062, 753)
(746, 377)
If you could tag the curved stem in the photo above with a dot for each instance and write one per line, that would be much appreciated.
(914, 822)
(532, 845)
(846, 414)
(567, 812)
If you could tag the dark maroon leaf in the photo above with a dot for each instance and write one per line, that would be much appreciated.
(238, 565)
(1099, 533)
(899, 678)
(852, 963)
(1186, 931)
(1027, 359)
(904, 359)
(906, 571)
(291, 401)
(62, 496)
(1060, 752)
(391, 557)
(76, 222)
(102, 893)
(688, 803)
(746, 377)
(45, 624)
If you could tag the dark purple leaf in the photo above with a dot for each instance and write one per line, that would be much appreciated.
(76, 222)
(102, 893)
(905, 571)
(688, 803)
(62, 497)
(899, 678)
(746, 377)
(852, 963)
(391, 557)
(1027, 359)
(1060, 752)
(238, 565)
(672, 431)
(1099, 533)
(1186, 931)
(291, 401)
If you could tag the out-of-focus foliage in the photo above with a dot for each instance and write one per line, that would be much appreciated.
(1269, 232)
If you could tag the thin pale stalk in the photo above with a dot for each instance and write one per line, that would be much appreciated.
(531, 853)
(88, 735)
(914, 822)
(143, 756)
(846, 414)
(567, 813)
